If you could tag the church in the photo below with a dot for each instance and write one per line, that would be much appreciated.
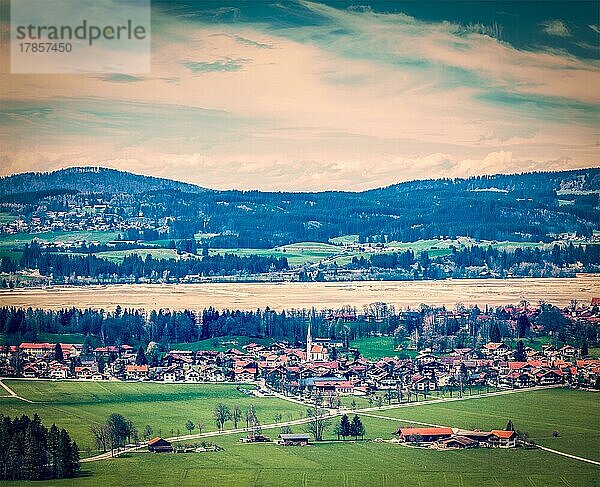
(314, 351)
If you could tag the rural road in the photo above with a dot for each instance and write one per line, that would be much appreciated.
(332, 413)
(14, 394)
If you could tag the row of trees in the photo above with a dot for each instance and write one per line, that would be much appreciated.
(134, 265)
(30, 451)
(223, 414)
(500, 261)
(126, 326)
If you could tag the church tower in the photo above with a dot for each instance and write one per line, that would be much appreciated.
(308, 344)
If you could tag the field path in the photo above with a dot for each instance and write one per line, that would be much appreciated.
(568, 455)
(13, 393)
(331, 413)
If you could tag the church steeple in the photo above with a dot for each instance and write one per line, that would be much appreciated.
(308, 344)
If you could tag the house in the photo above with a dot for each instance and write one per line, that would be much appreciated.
(568, 352)
(293, 439)
(547, 377)
(457, 442)
(496, 349)
(503, 439)
(58, 371)
(136, 372)
(192, 375)
(159, 445)
(172, 373)
(317, 353)
(420, 383)
(36, 349)
(427, 435)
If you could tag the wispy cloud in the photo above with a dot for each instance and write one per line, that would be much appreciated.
(227, 64)
(556, 28)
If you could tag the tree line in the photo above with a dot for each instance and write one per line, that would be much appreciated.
(491, 258)
(30, 451)
(66, 265)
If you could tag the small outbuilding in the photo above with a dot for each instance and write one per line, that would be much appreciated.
(457, 442)
(160, 445)
(293, 439)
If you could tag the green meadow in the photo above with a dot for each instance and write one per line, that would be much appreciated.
(574, 414)
(221, 344)
(165, 407)
(297, 253)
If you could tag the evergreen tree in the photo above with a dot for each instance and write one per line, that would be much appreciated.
(523, 326)
(140, 358)
(519, 354)
(495, 335)
(584, 349)
(53, 449)
(509, 426)
(356, 428)
(345, 426)
(58, 354)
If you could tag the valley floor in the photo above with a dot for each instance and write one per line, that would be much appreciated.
(575, 415)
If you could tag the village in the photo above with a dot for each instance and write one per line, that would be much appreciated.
(328, 367)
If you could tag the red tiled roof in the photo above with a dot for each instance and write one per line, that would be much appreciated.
(136, 368)
(41, 346)
(425, 431)
(155, 440)
(503, 434)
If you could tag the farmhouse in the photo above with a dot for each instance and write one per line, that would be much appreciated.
(426, 435)
(159, 445)
(293, 439)
(503, 439)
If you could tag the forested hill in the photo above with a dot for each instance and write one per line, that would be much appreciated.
(90, 180)
(527, 207)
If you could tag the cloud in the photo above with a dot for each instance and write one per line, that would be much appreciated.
(227, 64)
(344, 99)
(556, 28)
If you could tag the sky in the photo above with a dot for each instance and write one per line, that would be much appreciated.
(325, 95)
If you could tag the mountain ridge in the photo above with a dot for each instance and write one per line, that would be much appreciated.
(62, 179)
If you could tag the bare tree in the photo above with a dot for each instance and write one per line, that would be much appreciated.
(101, 434)
(319, 423)
(236, 415)
(221, 415)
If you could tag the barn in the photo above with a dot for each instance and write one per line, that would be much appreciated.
(160, 445)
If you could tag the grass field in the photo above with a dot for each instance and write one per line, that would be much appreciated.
(90, 236)
(344, 239)
(119, 255)
(6, 217)
(222, 344)
(165, 407)
(297, 253)
(374, 348)
(574, 414)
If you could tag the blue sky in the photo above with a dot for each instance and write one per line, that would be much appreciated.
(326, 95)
